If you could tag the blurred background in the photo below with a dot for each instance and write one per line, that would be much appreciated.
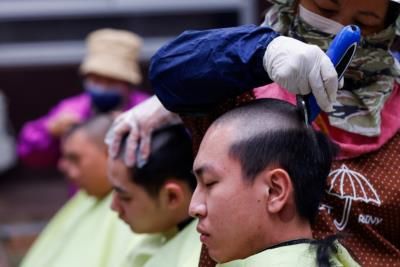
(41, 47)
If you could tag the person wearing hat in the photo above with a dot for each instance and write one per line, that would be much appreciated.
(110, 72)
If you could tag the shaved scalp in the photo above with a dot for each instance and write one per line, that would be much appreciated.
(95, 128)
(273, 132)
(261, 116)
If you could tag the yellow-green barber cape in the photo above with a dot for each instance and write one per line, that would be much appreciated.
(183, 250)
(299, 255)
(170, 249)
(84, 233)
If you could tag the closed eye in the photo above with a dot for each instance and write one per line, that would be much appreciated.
(125, 199)
(121, 194)
(210, 184)
(327, 8)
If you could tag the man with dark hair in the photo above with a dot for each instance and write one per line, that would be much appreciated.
(153, 199)
(261, 173)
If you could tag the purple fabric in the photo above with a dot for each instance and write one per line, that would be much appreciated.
(37, 148)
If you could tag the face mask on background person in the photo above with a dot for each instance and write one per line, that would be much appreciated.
(104, 99)
(319, 22)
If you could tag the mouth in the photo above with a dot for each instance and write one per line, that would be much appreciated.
(204, 236)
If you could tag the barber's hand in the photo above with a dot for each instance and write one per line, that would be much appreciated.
(139, 123)
(302, 69)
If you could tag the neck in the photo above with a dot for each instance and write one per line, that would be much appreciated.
(287, 231)
(177, 226)
(180, 217)
(277, 231)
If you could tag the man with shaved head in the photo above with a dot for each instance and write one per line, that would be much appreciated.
(261, 173)
(85, 232)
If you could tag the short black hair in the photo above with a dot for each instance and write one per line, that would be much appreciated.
(171, 156)
(272, 131)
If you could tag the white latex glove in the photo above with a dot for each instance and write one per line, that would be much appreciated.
(139, 122)
(301, 69)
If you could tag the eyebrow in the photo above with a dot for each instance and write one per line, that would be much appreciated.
(206, 168)
(364, 13)
(119, 190)
(70, 156)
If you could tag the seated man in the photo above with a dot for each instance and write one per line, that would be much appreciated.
(154, 199)
(85, 232)
(261, 173)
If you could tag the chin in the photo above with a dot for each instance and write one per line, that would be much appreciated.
(141, 230)
(95, 194)
(136, 229)
(219, 256)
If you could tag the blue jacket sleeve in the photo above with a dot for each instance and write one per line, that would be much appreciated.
(199, 69)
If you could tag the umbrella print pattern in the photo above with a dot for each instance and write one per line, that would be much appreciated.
(351, 186)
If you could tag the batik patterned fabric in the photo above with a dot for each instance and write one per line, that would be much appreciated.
(369, 80)
(362, 199)
(198, 125)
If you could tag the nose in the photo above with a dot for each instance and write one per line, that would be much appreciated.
(197, 210)
(197, 207)
(72, 173)
(69, 170)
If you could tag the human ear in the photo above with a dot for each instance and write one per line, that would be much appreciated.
(278, 189)
(172, 194)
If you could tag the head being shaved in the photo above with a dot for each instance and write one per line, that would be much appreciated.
(273, 132)
(261, 116)
(95, 128)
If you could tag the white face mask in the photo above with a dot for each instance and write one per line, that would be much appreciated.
(319, 22)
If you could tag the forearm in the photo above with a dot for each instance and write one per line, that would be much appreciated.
(36, 146)
(201, 68)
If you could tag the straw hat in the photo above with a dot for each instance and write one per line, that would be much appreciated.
(114, 54)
